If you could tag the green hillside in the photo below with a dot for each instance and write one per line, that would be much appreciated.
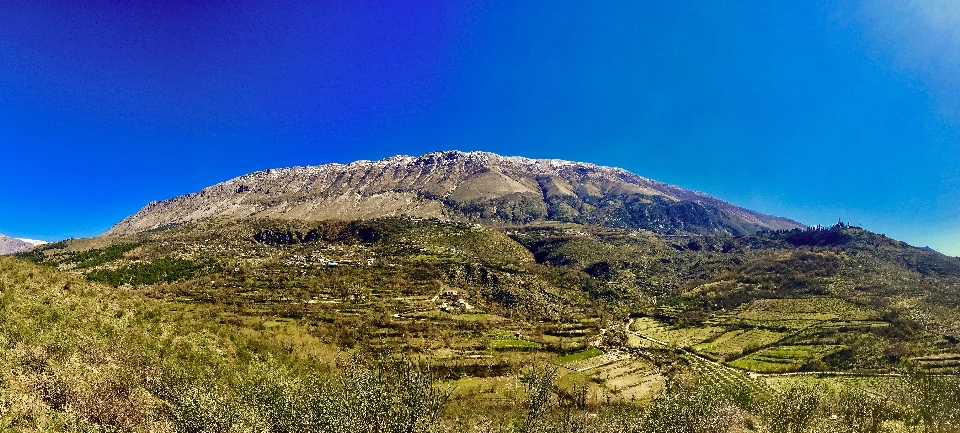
(255, 324)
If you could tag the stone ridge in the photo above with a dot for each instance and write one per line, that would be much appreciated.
(475, 186)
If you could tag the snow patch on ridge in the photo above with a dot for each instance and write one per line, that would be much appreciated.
(33, 242)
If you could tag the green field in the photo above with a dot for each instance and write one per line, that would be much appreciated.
(684, 337)
(783, 359)
(733, 343)
(589, 353)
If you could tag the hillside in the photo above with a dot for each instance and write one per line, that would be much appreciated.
(474, 186)
(622, 327)
(344, 277)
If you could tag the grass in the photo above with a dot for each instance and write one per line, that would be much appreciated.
(815, 308)
(684, 337)
(277, 322)
(676, 336)
(628, 380)
(732, 344)
(645, 324)
(589, 353)
(634, 341)
(515, 343)
(783, 359)
(113, 359)
(465, 317)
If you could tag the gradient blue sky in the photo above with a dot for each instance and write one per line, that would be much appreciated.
(816, 111)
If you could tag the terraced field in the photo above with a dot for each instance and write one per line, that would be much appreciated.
(581, 356)
(818, 308)
(646, 325)
(783, 359)
(734, 343)
(595, 359)
(771, 335)
(889, 386)
(726, 379)
(506, 341)
(944, 362)
(637, 342)
(675, 336)
(687, 337)
(796, 314)
(629, 379)
(614, 376)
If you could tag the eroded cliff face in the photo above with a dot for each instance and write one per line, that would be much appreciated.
(476, 186)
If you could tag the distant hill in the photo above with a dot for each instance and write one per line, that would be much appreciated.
(468, 186)
(10, 245)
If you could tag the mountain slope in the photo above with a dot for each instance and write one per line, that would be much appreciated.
(473, 186)
(10, 245)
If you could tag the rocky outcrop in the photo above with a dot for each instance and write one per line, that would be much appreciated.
(474, 186)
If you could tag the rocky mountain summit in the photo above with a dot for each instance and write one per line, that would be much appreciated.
(470, 186)
(10, 245)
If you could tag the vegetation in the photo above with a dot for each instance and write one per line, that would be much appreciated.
(586, 354)
(163, 269)
(411, 325)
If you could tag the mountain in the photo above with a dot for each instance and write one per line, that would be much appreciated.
(10, 245)
(469, 186)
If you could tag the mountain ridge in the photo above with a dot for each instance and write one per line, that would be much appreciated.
(9, 245)
(473, 186)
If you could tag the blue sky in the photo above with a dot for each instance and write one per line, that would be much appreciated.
(816, 111)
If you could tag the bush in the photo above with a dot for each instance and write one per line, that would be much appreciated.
(794, 410)
(698, 410)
